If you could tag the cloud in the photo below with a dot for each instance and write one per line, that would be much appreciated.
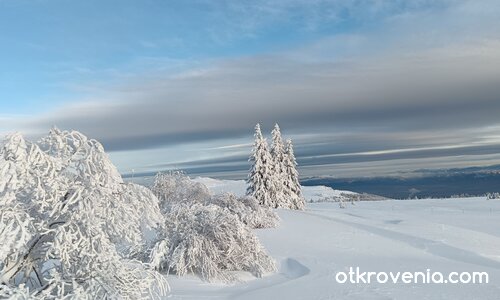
(424, 78)
(432, 90)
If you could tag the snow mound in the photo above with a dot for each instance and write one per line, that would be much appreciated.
(293, 269)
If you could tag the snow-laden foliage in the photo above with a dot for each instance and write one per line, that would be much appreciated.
(260, 181)
(20, 292)
(273, 179)
(176, 187)
(209, 241)
(247, 209)
(209, 235)
(292, 188)
(277, 192)
(70, 223)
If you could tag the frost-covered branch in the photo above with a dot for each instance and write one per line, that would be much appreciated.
(209, 235)
(70, 224)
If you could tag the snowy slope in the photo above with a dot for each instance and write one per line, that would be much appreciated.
(412, 235)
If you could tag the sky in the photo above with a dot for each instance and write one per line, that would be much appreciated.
(363, 88)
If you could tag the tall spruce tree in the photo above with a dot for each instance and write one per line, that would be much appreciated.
(292, 188)
(278, 169)
(259, 180)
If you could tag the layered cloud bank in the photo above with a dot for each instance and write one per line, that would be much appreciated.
(415, 85)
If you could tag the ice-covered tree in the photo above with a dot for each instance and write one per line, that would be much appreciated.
(260, 179)
(277, 192)
(176, 187)
(292, 188)
(247, 209)
(69, 225)
(273, 179)
(208, 235)
(209, 241)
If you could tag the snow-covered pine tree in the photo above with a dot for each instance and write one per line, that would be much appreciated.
(292, 188)
(260, 177)
(278, 169)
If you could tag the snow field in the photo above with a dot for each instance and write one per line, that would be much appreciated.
(311, 246)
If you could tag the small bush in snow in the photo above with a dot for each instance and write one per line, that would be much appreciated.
(209, 241)
(247, 209)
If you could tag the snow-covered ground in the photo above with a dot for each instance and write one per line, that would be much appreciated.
(452, 235)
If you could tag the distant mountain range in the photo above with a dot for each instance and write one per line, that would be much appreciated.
(473, 181)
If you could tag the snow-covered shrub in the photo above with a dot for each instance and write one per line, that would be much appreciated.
(176, 187)
(210, 241)
(70, 223)
(20, 292)
(209, 235)
(247, 209)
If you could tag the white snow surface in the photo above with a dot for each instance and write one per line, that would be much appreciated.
(311, 246)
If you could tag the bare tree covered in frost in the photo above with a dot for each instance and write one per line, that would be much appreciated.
(208, 235)
(70, 224)
(292, 188)
(260, 183)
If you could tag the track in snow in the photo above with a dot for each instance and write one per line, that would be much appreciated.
(437, 248)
